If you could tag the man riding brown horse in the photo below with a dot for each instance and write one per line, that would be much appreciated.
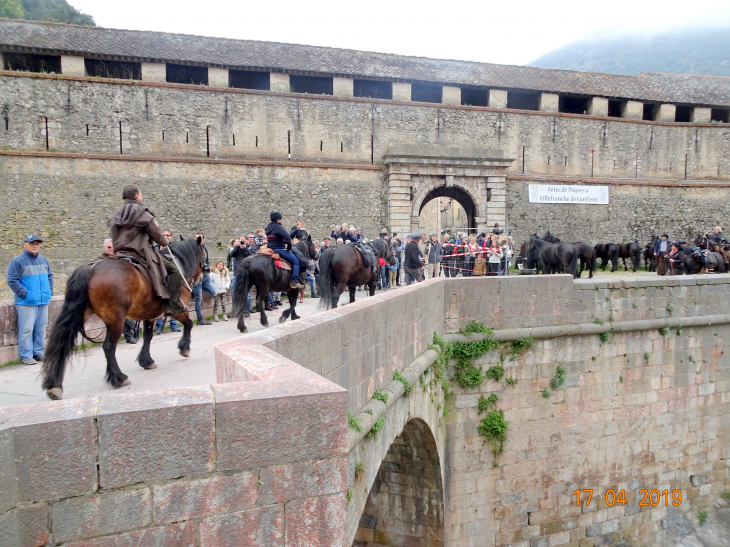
(133, 229)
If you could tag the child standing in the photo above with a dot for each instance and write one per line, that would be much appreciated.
(221, 281)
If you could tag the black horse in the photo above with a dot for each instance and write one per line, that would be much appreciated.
(261, 272)
(550, 238)
(701, 242)
(553, 257)
(606, 252)
(632, 251)
(649, 259)
(693, 263)
(342, 266)
(587, 256)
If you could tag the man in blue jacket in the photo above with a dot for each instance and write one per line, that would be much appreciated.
(279, 240)
(30, 278)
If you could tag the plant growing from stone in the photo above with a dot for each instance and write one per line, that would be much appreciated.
(475, 326)
(402, 379)
(487, 403)
(670, 308)
(606, 336)
(511, 381)
(679, 330)
(546, 392)
(353, 422)
(380, 396)
(349, 496)
(494, 427)
(702, 517)
(664, 330)
(495, 372)
(377, 426)
(522, 344)
(467, 374)
(559, 378)
(646, 355)
(598, 322)
(359, 471)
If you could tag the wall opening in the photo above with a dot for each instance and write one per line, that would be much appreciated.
(426, 93)
(249, 79)
(184, 74)
(573, 105)
(455, 209)
(406, 502)
(684, 114)
(523, 101)
(313, 85)
(97, 68)
(28, 62)
(614, 109)
(372, 89)
(474, 97)
(720, 115)
(648, 113)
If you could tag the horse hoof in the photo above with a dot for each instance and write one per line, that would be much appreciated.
(54, 393)
(127, 381)
(282, 318)
(185, 352)
(151, 366)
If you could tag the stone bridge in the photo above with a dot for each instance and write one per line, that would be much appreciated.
(331, 431)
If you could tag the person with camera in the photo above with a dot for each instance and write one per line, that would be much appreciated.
(241, 250)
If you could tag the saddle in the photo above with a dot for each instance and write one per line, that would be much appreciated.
(367, 252)
(280, 262)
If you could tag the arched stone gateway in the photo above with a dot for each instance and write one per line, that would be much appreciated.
(419, 173)
(406, 502)
(463, 197)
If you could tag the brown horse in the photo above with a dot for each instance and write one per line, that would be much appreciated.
(114, 289)
(342, 267)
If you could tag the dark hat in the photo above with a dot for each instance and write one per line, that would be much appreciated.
(31, 238)
(275, 215)
(434, 235)
(664, 235)
(326, 239)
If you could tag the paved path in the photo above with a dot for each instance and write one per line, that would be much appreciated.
(20, 384)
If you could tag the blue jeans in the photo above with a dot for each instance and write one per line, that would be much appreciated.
(32, 321)
(310, 278)
(290, 257)
(159, 323)
(383, 276)
(207, 286)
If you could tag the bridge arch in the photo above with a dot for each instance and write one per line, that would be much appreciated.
(405, 504)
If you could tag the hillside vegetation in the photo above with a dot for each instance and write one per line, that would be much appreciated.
(694, 52)
(58, 11)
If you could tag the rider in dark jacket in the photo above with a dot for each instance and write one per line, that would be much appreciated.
(279, 241)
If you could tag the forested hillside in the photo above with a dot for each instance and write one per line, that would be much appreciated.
(704, 52)
(59, 11)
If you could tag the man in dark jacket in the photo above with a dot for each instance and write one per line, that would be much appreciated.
(413, 261)
(298, 231)
(448, 260)
(133, 230)
(279, 241)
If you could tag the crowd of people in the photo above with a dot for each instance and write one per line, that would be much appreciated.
(670, 255)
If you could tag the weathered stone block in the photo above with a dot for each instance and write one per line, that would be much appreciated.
(450, 95)
(701, 115)
(279, 82)
(343, 87)
(217, 77)
(72, 65)
(401, 91)
(632, 109)
(154, 72)
(177, 535)
(179, 501)
(597, 106)
(155, 435)
(664, 112)
(90, 516)
(497, 98)
(25, 526)
(256, 527)
(285, 423)
(549, 102)
(317, 521)
(47, 451)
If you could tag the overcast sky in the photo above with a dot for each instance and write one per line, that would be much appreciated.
(506, 32)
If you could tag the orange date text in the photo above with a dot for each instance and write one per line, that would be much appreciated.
(647, 498)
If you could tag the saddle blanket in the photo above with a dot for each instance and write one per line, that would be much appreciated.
(280, 262)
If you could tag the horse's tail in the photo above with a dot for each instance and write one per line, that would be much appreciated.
(594, 262)
(573, 264)
(240, 290)
(69, 324)
(327, 281)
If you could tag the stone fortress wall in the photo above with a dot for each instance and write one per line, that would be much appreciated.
(638, 410)
(335, 173)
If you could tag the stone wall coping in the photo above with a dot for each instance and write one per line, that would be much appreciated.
(191, 159)
(440, 106)
(549, 179)
(509, 335)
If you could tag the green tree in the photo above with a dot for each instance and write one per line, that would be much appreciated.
(12, 9)
(58, 11)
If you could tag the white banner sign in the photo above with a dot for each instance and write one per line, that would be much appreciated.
(586, 195)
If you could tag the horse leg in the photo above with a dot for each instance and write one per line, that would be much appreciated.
(144, 358)
(184, 344)
(292, 294)
(261, 304)
(113, 375)
(352, 293)
(372, 285)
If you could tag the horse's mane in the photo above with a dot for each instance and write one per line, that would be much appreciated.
(187, 253)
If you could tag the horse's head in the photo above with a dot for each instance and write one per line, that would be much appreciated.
(384, 250)
(190, 255)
